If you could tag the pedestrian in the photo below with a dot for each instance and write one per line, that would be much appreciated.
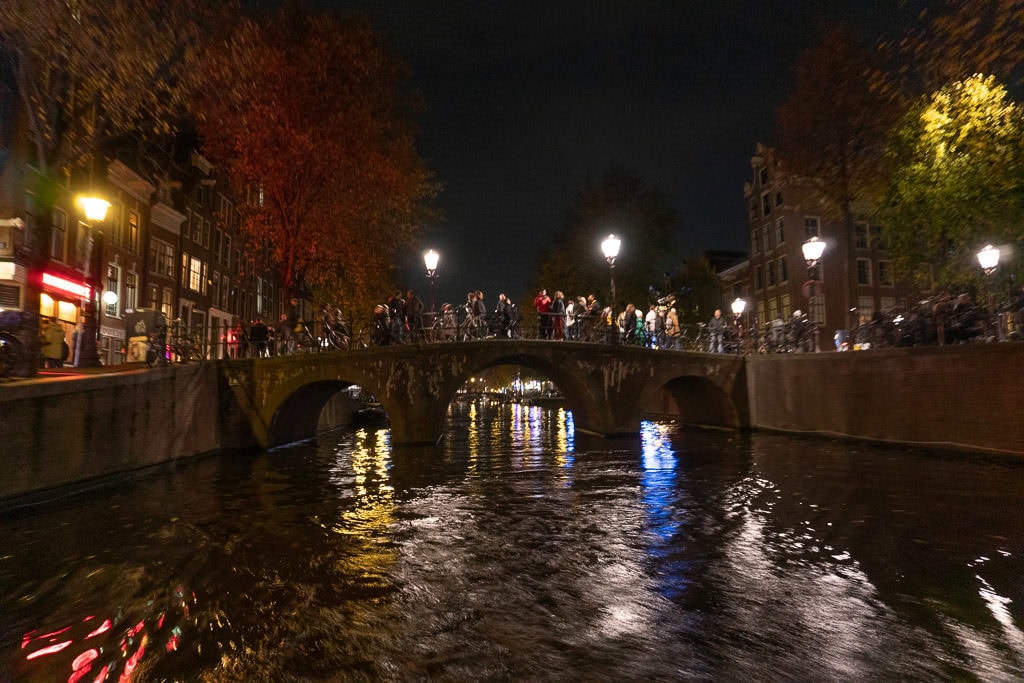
(52, 343)
(258, 335)
(542, 302)
(414, 314)
(558, 316)
(716, 332)
(672, 329)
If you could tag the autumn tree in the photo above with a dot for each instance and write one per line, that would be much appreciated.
(307, 115)
(88, 73)
(956, 182)
(834, 124)
(618, 202)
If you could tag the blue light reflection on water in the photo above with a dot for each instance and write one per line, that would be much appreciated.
(659, 480)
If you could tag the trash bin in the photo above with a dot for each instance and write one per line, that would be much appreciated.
(139, 325)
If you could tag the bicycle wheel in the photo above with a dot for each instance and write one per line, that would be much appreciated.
(10, 350)
(337, 339)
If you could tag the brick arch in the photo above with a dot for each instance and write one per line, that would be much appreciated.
(699, 400)
(576, 390)
(292, 410)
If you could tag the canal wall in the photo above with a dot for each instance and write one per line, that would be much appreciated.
(72, 429)
(967, 397)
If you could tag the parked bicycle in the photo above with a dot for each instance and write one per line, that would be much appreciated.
(336, 331)
(180, 346)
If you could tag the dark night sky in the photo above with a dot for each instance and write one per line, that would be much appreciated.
(526, 101)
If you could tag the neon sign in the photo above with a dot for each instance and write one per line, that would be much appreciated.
(65, 285)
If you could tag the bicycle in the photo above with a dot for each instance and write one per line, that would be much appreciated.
(336, 332)
(10, 353)
(182, 346)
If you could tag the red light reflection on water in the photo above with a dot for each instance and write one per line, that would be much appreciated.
(109, 645)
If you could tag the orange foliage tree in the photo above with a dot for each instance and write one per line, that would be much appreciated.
(307, 116)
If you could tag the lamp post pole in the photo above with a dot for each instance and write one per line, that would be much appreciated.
(738, 306)
(813, 250)
(86, 350)
(430, 259)
(610, 248)
(988, 259)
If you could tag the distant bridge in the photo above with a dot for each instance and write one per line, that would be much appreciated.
(606, 386)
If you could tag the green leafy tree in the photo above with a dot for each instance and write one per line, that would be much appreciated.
(956, 182)
(307, 115)
(618, 202)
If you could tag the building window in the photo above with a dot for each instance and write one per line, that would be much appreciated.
(225, 290)
(59, 236)
(766, 204)
(770, 271)
(880, 240)
(778, 199)
(130, 291)
(185, 260)
(863, 271)
(115, 224)
(783, 270)
(195, 275)
(860, 233)
(152, 297)
(167, 304)
(113, 285)
(758, 278)
(133, 232)
(767, 230)
(764, 176)
(784, 309)
(816, 309)
(161, 257)
(865, 307)
(204, 277)
(755, 241)
(753, 209)
(884, 273)
(780, 230)
(812, 227)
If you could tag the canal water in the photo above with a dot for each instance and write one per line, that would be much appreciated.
(522, 550)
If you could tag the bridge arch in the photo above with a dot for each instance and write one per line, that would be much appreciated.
(697, 399)
(291, 411)
(576, 390)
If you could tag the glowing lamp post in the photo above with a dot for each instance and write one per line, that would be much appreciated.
(430, 259)
(988, 259)
(86, 351)
(610, 249)
(813, 250)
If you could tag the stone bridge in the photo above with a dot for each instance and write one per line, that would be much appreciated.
(71, 430)
(607, 387)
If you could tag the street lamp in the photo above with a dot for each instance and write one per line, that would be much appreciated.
(988, 259)
(610, 247)
(430, 259)
(813, 250)
(86, 351)
(738, 306)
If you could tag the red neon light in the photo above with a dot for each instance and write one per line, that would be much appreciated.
(65, 285)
